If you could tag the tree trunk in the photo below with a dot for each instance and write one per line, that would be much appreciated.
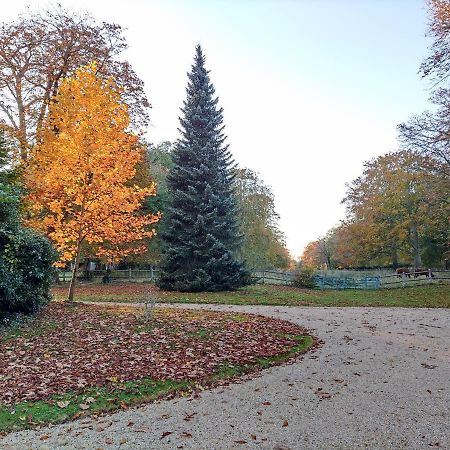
(415, 246)
(394, 257)
(75, 267)
(74, 276)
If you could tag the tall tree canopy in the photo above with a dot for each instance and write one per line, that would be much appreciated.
(437, 64)
(38, 50)
(201, 236)
(79, 176)
(429, 133)
(402, 202)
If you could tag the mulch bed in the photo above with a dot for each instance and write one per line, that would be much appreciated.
(84, 346)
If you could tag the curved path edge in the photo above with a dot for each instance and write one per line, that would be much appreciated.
(380, 380)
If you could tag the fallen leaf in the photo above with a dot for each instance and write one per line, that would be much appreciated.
(165, 434)
(63, 404)
(285, 423)
(428, 366)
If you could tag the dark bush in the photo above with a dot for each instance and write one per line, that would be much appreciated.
(26, 262)
(304, 278)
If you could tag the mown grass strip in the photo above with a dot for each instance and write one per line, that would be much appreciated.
(433, 296)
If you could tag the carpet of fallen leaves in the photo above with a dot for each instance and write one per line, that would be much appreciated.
(75, 348)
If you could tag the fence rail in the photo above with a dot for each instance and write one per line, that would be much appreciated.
(355, 279)
(323, 280)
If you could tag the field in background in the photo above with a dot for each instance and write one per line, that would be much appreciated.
(430, 296)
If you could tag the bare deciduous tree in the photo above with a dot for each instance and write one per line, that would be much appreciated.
(429, 132)
(437, 64)
(39, 49)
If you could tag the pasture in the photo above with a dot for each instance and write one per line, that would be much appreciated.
(427, 296)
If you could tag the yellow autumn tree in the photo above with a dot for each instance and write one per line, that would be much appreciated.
(80, 177)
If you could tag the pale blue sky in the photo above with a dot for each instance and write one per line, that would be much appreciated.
(310, 88)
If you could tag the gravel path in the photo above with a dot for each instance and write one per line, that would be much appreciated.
(380, 381)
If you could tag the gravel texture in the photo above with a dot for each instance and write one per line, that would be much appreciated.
(381, 380)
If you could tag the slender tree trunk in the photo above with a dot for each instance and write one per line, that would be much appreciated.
(394, 257)
(22, 135)
(78, 251)
(415, 246)
(74, 273)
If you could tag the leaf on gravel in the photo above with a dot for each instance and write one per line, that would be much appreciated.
(428, 366)
(186, 434)
(240, 442)
(165, 434)
(266, 403)
(285, 423)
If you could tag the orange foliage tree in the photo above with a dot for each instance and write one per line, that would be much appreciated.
(80, 176)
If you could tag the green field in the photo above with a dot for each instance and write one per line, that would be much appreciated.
(432, 296)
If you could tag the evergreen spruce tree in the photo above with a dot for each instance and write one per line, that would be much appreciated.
(201, 237)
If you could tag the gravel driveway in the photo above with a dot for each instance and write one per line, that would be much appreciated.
(381, 380)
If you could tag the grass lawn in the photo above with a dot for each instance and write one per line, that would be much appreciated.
(71, 361)
(433, 296)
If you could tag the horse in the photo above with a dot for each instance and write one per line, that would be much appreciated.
(422, 271)
(403, 271)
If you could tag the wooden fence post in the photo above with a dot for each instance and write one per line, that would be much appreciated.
(129, 274)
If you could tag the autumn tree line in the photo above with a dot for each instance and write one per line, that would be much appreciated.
(79, 182)
(398, 208)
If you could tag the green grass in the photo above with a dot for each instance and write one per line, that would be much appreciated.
(420, 296)
(433, 296)
(21, 330)
(29, 414)
(122, 395)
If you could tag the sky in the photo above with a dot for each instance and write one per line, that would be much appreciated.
(310, 88)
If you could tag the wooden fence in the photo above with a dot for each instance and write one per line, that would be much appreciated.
(323, 280)
(354, 280)
(116, 275)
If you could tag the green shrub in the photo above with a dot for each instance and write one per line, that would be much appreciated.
(26, 262)
(305, 278)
